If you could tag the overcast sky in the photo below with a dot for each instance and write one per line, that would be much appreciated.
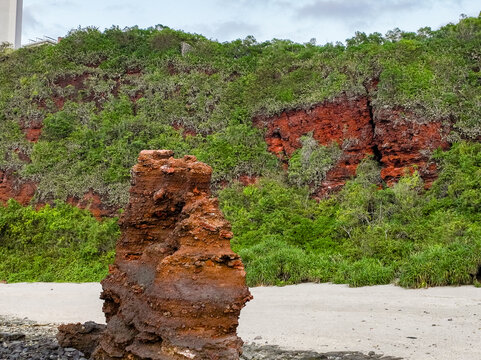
(225, 20)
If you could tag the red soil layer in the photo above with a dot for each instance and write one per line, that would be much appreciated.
(406, 145)
(398, 142)
(12, 188)
(23, 192)
(346, 121)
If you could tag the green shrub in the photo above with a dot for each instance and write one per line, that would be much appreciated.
(282, 264)
(437, 265)
(60, 243)
(310, 164)
(366, 271)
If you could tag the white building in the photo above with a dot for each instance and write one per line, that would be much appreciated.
(11, 22)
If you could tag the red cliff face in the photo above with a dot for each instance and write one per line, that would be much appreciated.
(346, 121)
(406, 144)
(176, 288)
(397, 141)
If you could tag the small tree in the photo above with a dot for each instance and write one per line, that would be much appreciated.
(310, 164)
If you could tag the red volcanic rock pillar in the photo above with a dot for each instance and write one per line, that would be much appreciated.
(176, 288)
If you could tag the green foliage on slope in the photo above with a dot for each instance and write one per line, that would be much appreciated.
(364, 236)
(60, 243)
(104, 96)
(212, 91)
(361, 236)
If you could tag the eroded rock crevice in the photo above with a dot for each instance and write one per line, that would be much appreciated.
(370, 88)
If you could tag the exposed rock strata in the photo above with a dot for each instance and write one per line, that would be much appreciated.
(405, 144)
(346, 121)
(176, 288)
(397, 140)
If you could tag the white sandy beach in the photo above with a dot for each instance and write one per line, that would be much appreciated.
(441, 323)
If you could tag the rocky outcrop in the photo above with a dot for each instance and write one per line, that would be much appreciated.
(83, 337)
(176, 288)
(395, 138)
(406, 143)
(346, 121)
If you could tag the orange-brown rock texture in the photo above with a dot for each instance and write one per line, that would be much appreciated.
(406, 143)
(176, 288)
(396, 139)
(346, 121)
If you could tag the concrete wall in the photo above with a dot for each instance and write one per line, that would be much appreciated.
(11, 22)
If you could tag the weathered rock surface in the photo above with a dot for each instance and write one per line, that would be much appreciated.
(396, 139)
(83, 337)
(176, 288)
(346, 121)
(405, 143)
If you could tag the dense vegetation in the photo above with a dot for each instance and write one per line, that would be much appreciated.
(103, 97)
(364, 235)
(54, 243)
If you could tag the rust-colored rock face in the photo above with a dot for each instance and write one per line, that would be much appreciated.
(176, 288)
(406, 144)
(396, 140)
(11, 188)
(346, 121)
(339, 121)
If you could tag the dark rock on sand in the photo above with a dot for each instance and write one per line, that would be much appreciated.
(40, 343)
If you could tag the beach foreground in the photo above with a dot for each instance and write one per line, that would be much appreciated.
(437, 323)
